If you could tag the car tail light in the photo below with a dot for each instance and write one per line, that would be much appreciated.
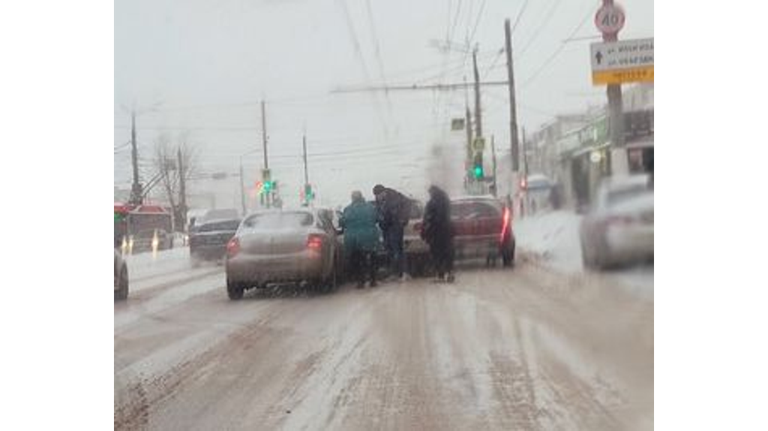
(233, 247)
(315, 242)
(505, 222)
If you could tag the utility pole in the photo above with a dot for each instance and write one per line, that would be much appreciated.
(468, 168)
(615, 104)
(468, 125)
(306, 171)
(182, 212)
(264, 141)
(493, 155)
(136, 193)
(512, 103)
(307, 188)
(264, 133)
(478, 111)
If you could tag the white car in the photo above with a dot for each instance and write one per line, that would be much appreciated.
(619, 227)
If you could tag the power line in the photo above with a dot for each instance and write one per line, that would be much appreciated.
(493, 65)
(477, 21)
(456, 20)
(361, 58)
(557, 51)
(547, 18)
(519, 15)
(377, 49)
(192, 128)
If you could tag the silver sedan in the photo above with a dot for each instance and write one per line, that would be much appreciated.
(283, 246)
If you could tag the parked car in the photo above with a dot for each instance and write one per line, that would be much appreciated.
(121, 277)
(619, 227)
(200, 217)
(149, 240)
(483, 229)
(283, 246)
(538, 189)
(209, 240)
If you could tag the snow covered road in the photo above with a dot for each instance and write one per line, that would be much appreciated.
(528, 348)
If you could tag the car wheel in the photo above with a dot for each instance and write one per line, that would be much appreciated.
(332, 282)
(235, 290)
(586, 257)
(121, 293)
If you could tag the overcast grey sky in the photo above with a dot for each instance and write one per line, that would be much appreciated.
(209, 63)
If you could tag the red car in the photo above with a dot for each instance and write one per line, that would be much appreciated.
(483, 229)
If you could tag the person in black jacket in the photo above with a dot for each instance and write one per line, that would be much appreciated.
(393, 213)
(438, 232)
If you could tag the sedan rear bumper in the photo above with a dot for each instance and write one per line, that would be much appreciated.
(262, 269)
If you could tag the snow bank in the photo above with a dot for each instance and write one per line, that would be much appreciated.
(553, 236)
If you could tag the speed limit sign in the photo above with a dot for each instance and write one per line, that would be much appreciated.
(609, 19)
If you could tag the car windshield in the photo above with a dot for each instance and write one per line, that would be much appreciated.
(278, 220)
(228, 225)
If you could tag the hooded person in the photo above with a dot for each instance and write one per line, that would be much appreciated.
(361, 237)
(438, 232)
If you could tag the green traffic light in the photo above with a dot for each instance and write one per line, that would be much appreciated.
(478, 171)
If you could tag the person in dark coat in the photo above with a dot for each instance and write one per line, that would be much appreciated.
(361, 237)
(393, 213)
(438, 232)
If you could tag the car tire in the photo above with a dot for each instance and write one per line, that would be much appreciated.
(235, 290)
(331, 283)
(586, 257)
(121, 294)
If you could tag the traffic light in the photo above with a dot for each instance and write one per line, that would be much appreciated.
(477, 166)
(268, 186)
(307, 194)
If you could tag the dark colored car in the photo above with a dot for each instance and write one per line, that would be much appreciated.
(121, 277)
(209, 240)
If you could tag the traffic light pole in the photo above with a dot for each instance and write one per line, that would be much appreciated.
(136, 192)
(266, 158)
(306, 171)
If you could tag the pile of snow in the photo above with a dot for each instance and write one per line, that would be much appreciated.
(553, 236)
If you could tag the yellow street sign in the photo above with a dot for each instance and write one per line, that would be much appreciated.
(621, 76)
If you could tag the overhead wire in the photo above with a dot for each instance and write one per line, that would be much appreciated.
(549, 14)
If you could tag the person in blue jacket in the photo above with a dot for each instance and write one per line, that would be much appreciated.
(361, 238)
